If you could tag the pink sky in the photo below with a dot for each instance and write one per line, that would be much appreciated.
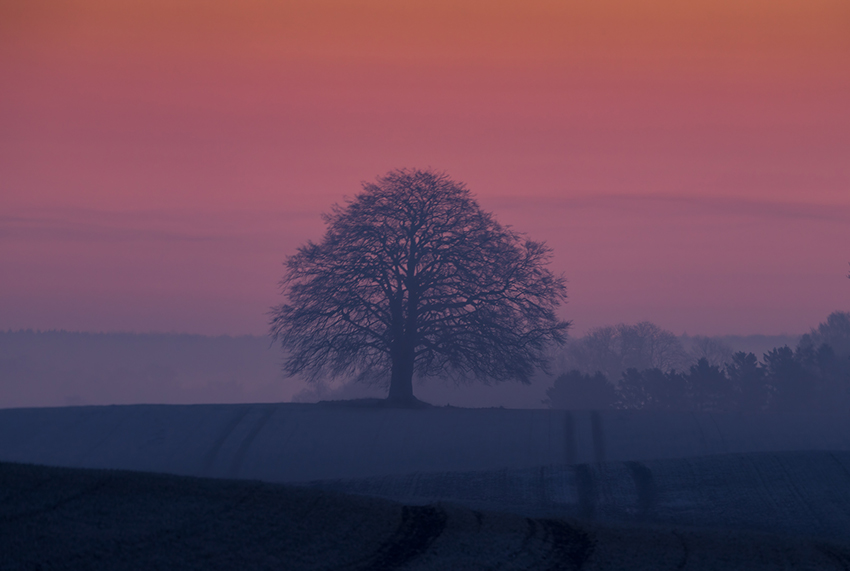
(689, 163)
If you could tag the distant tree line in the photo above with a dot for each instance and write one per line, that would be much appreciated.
(644, 367)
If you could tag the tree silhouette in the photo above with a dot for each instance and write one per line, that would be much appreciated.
(653, 389)
(713, 350)
(747, 378)
(412, 278)
(613, 349)
(711, 389)
(792, 386)
(835, 332)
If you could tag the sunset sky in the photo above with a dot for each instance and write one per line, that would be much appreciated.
(688, 162)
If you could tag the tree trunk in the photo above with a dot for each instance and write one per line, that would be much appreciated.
(401, 379)
(403, 354)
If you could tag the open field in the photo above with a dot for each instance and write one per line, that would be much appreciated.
(791, 493)
(363, 486)
(304, 442)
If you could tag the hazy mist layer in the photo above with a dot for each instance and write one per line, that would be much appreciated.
(65, 368)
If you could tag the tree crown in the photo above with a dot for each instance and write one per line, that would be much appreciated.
(413, 273)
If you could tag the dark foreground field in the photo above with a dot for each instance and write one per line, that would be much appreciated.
(59, 518)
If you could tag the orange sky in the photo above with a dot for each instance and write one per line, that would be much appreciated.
(687, 161)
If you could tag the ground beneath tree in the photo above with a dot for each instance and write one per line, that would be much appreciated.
(414, 403)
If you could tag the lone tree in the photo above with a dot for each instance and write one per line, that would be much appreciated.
(413, 277)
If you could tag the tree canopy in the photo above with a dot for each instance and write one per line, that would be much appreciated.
(412, 277)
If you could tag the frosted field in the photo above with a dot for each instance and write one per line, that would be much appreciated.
(794, 493)
(304, 442)
(57, 518)
(433, 488)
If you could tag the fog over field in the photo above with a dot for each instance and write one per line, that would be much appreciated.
(61, 368)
